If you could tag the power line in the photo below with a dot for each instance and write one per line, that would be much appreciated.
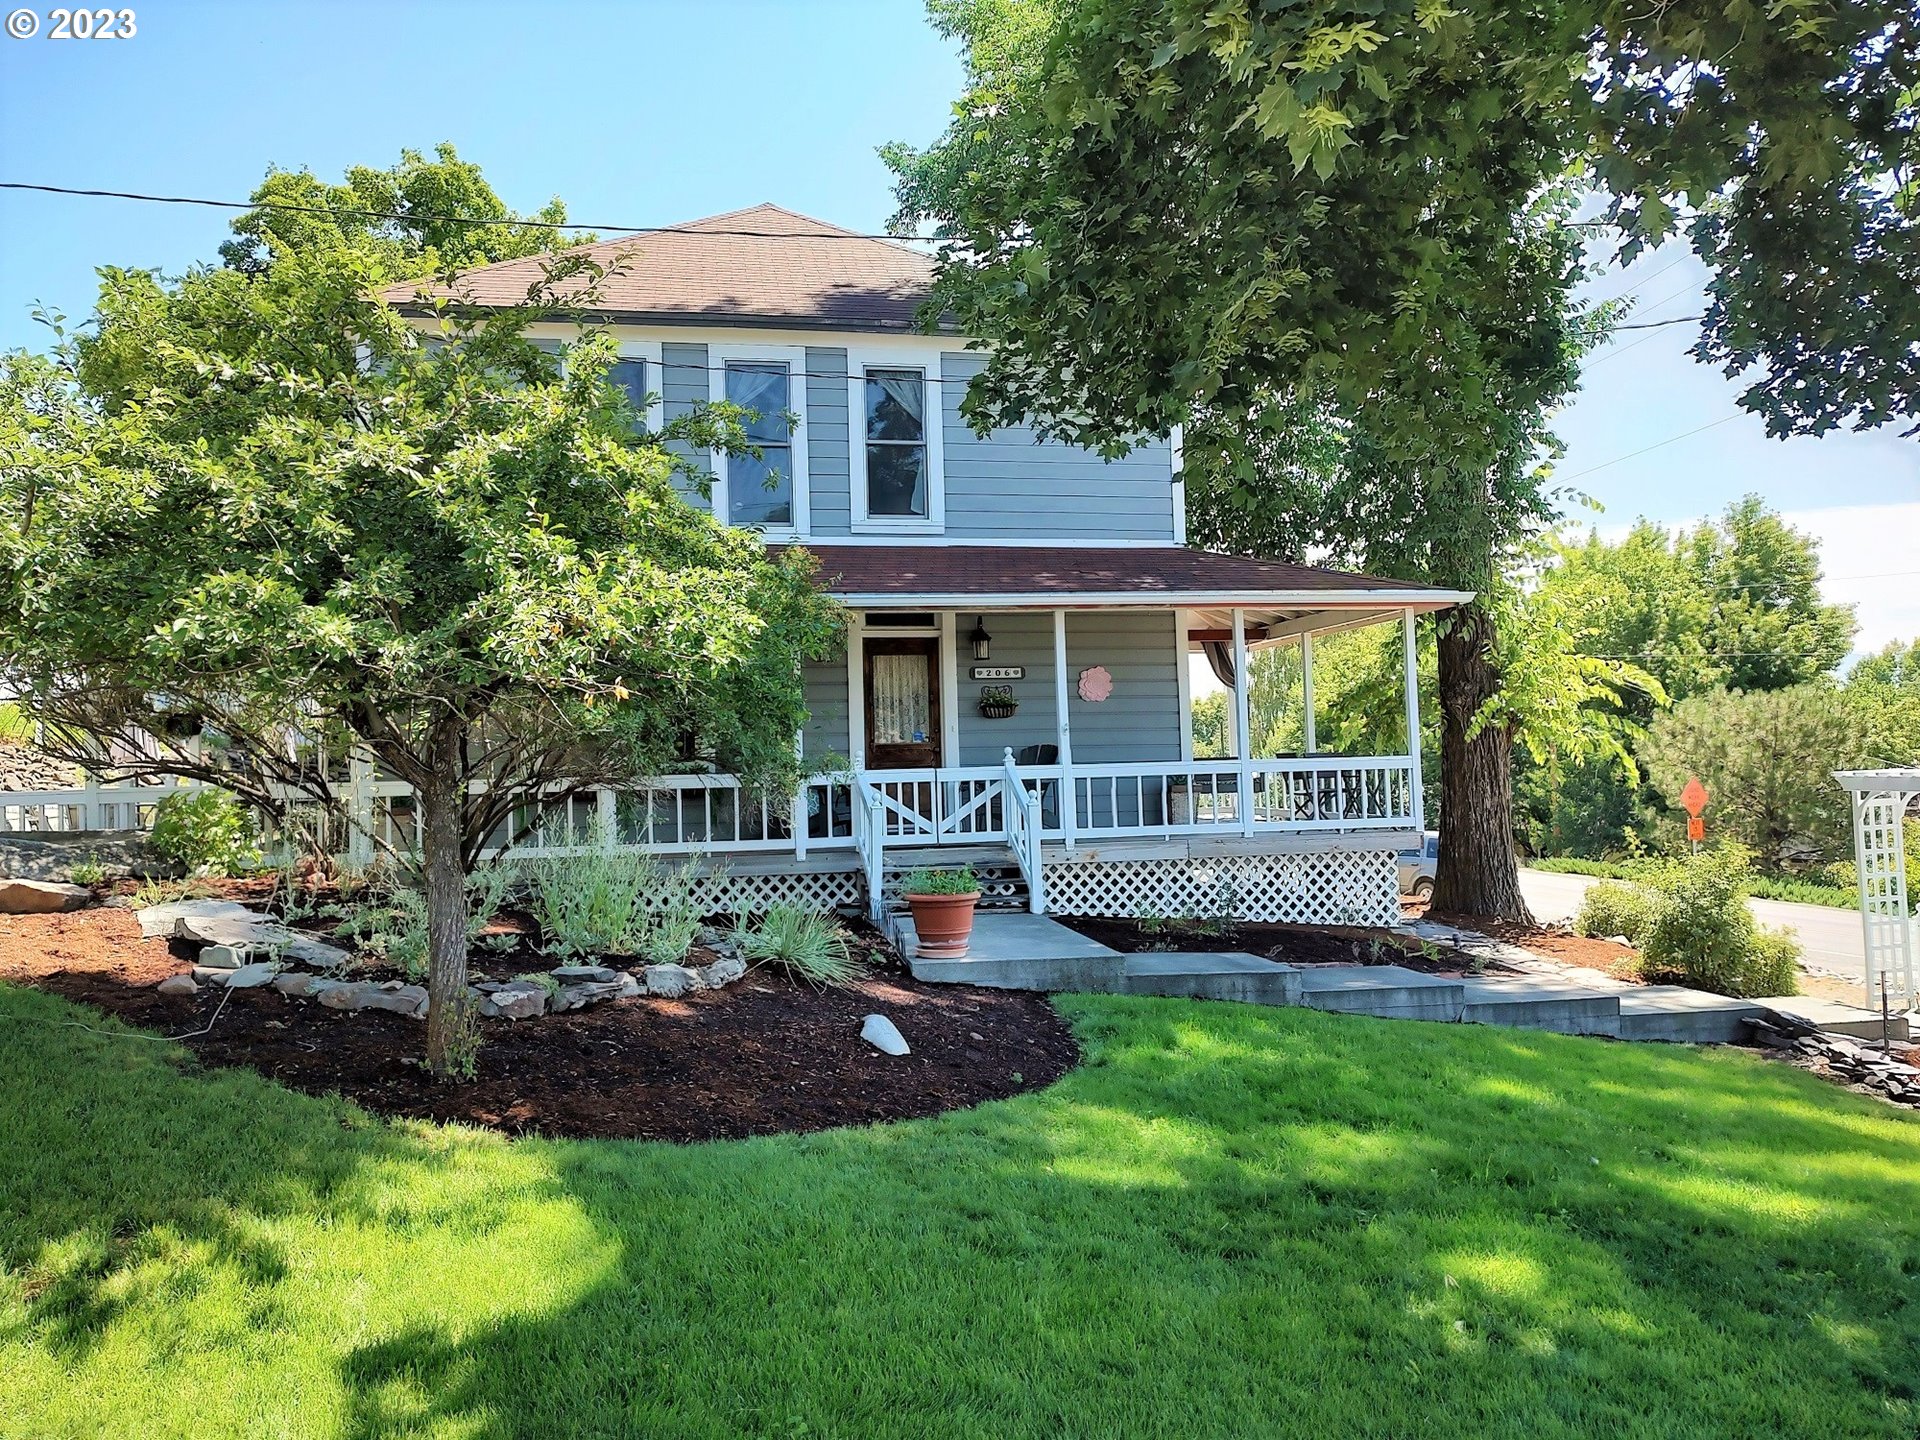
(416, 218)
(1645, 448)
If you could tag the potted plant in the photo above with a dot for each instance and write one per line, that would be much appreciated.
(942, 903)
(997, 702)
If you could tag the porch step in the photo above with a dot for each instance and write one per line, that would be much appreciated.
(1013, 950)
(1002, 886)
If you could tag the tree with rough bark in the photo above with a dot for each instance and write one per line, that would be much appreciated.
(257, 508)
(1162, 213)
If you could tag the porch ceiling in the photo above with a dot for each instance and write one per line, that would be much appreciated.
(1010, 577)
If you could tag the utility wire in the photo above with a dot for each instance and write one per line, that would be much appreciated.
(1645, 448)
(415, 218)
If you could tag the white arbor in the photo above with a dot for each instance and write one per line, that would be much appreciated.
(1881, 800)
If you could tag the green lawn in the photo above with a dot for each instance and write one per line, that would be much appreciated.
(1234, 1221)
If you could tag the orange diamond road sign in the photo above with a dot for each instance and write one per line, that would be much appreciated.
(1693, 799)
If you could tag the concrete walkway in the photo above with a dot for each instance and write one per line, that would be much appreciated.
(1019, 951)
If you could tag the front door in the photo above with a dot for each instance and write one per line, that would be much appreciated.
(903, 704)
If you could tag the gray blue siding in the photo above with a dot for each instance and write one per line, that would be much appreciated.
(683, 385)
(829, 500)
(1019, 638)
(1009, 486)
(825, 735)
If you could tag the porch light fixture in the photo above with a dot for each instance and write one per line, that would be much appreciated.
(982, 641)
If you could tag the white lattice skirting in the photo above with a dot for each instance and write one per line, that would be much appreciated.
(726, 894)
(1359, 887)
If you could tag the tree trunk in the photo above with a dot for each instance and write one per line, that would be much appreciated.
(1478, 873)
(449, 1007)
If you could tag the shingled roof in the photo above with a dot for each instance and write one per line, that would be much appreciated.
(761, 266)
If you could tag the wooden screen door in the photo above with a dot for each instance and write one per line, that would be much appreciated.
(903, 704)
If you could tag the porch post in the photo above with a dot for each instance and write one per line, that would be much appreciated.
(1069, 803)
(1413, 717)
(1242, 725)
(1306, 688)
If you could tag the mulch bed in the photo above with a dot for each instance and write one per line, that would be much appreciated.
(1560, 944)
(763, 1056)
(1293, 944)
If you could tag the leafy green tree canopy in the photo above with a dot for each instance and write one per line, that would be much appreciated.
(417, 217)
(257, 504)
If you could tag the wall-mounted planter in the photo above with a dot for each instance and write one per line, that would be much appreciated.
(997, 702)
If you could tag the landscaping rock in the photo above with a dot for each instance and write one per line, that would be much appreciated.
(593, 992)
(881, 1033)
(252, 932)
(252, 977)
(224, 957)
(521, 1000)
(298, 983)
(575, 974)
(178, 985)
(157, 921)
(362, 995)
(723, 971)
(672, 981)
(52, 855)
(41, 897)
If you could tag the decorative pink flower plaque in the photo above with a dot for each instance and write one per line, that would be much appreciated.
(1096, 684)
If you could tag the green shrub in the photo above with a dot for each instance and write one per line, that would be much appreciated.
(1773, 963)
(88, 871)
(1702, 934)
(940, 882)
(207, 830)
(392, 923)
(1804, 892)
(1616, 907)
(604, 901)
(807, 942)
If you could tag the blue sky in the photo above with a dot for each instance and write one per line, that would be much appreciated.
(647, 113)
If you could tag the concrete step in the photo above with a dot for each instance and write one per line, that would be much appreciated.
(1015, 950)
(1541, 1004)
(1213, 975)
(1672, 1012)
(1837, 1017)
(1391, 992)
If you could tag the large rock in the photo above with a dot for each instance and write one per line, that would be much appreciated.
(593, 992)
(881, 1033)
(723, 971)
(672, 981)
(247, 930)
(518, 1000)
(298, 983)
(575, 974)
(157, 921)
(41, 897)
(178, 985)
(364, 995)
(252, 977)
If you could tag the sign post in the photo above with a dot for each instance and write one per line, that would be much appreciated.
(1693, 800)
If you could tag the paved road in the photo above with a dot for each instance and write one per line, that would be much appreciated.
(1830, 938)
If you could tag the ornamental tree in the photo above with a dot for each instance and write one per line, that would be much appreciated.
(257, 505)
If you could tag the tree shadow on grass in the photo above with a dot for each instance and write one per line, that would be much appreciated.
(1231, 1221)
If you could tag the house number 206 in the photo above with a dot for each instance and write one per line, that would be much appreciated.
(91, 25)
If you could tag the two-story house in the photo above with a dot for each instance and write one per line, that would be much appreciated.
(1015, 687)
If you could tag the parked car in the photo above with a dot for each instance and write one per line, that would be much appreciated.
(1417, 867)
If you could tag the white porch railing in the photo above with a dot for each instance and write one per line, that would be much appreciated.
(1020, 806)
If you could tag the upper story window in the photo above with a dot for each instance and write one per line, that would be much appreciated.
(897, 444)
(629, 375)
(768, 492)
(897, 480)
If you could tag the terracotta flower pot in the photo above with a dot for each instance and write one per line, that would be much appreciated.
(944, 924)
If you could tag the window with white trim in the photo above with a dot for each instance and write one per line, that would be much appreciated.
(896, 469)
(767, 491)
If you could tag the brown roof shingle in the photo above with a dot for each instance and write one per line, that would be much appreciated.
(762, 265)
